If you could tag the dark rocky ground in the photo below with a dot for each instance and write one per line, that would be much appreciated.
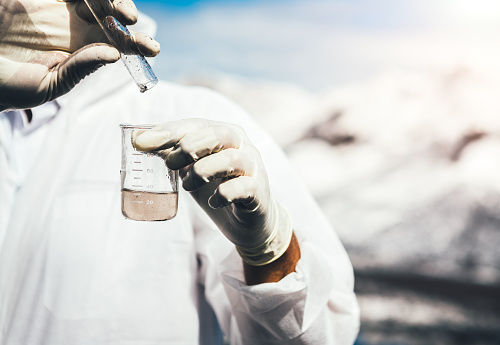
(414, 293)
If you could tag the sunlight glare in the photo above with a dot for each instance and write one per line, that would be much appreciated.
(477, 9)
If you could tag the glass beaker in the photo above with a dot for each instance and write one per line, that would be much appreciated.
(149, 187)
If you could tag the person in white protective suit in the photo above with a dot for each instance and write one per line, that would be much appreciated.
(249, 256)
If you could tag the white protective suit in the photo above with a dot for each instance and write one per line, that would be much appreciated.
(74, 271)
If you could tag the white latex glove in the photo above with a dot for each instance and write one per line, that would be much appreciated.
(225, 174)
(48, 46)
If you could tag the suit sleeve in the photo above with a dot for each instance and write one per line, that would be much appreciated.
(314, 305)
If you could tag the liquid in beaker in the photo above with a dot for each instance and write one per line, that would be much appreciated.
(149, 188)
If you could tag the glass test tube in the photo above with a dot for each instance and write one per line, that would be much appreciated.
(120, 37)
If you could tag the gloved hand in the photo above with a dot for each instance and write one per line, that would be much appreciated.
(225, 174)
(48, 46)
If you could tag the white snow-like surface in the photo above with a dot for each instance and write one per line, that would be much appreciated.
(406, 126)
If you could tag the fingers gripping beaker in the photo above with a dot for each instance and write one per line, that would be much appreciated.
(149, 188)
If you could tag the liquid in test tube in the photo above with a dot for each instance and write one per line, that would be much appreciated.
(121, 39)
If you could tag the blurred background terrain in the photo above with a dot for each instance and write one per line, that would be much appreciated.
(390, 112)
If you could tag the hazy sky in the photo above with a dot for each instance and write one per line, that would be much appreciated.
(321, 43)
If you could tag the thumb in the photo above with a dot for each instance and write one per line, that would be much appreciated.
(80, 64)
